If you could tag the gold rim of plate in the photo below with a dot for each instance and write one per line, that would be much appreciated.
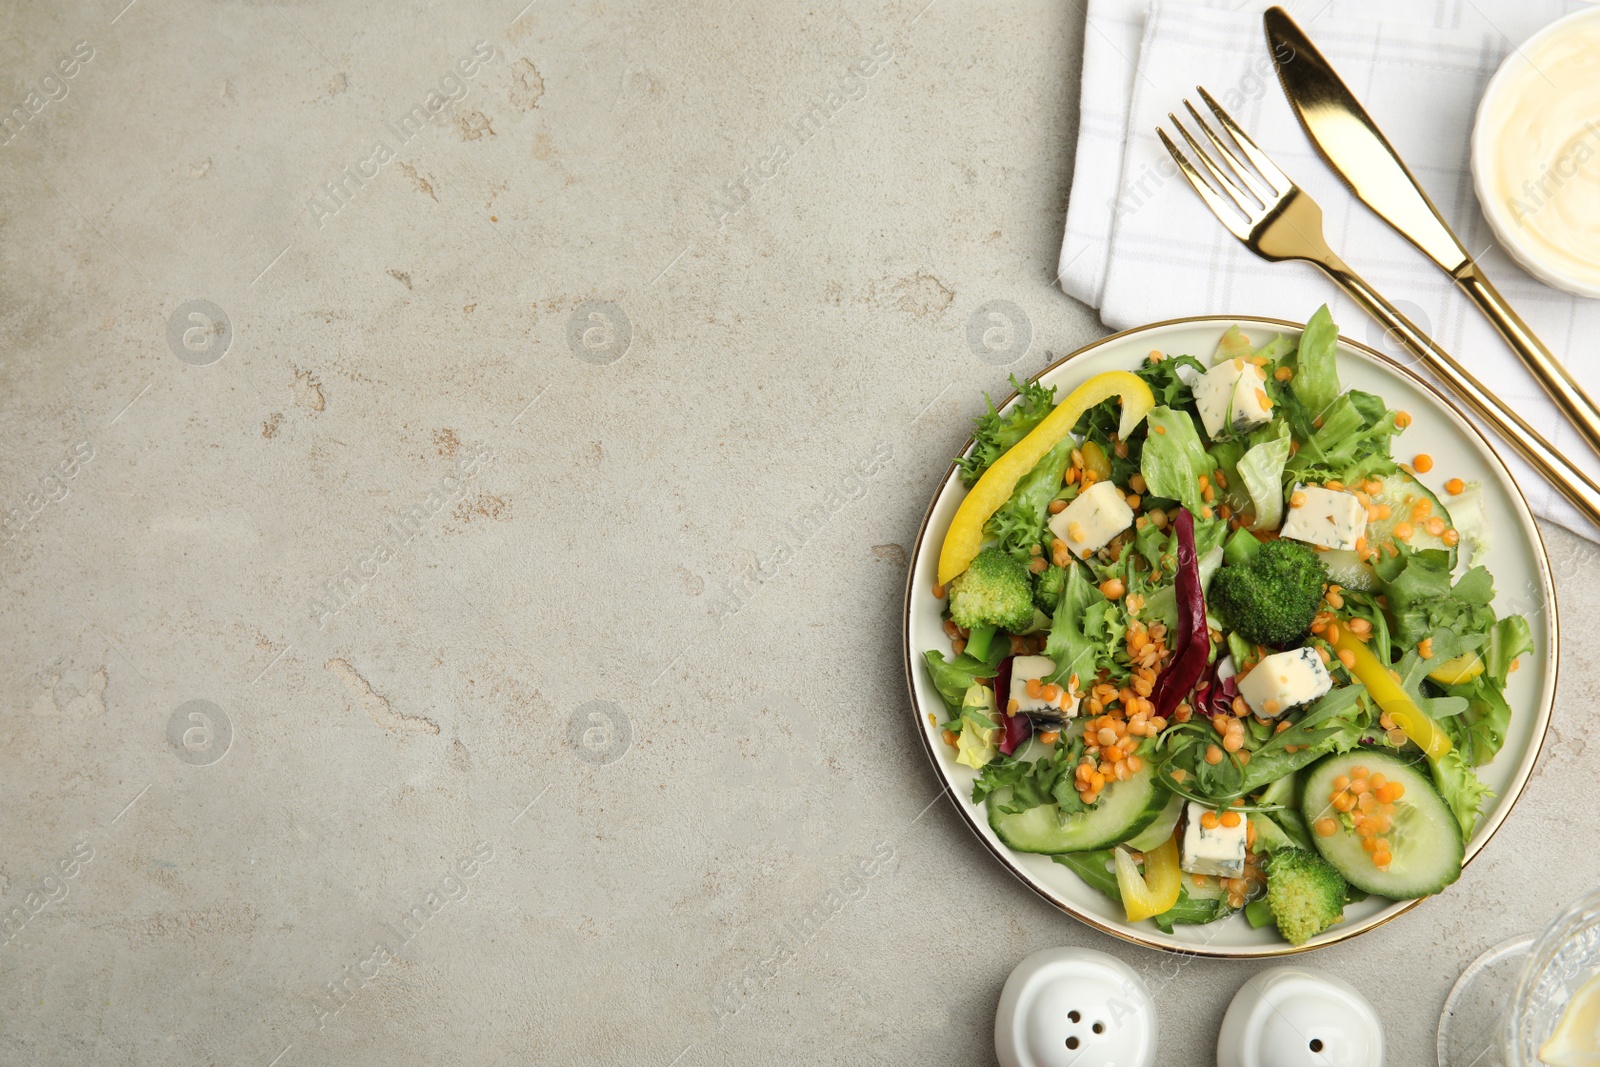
(1481, 836)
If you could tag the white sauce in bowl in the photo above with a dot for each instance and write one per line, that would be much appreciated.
(1536, 153)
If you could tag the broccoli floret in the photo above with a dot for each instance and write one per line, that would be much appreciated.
(993, 591)
(1305, 892)
(1271, 599)
(1047, 587)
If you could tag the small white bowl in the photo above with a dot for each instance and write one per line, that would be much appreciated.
(1497, 202)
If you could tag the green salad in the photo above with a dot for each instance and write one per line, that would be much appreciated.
(1217, 648)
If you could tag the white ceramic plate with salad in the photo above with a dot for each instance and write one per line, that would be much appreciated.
(1253, 659)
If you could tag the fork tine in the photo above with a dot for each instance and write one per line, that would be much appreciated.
(1219, 207)
(1228, 185)
(1231, 157)
(1268, 169)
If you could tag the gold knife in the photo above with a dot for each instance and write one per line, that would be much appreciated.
(1350, 142)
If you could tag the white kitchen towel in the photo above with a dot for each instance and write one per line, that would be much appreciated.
(1142, 247)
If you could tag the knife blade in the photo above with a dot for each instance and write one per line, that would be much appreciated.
(1350, 142)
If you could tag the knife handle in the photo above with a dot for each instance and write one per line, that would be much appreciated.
(1555, 468)
(1556, 380)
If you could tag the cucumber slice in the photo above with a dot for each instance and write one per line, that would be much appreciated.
(1157, 832)
(1347, 570)
(1401, 492)
(1204, 887)
(1124, 809)
(1425, 839)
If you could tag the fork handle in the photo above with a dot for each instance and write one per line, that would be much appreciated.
(1555, 378)
(1555, 468)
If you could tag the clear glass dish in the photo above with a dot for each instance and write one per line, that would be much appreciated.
(1508, 1001)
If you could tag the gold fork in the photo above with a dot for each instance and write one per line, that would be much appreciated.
(1277, 221)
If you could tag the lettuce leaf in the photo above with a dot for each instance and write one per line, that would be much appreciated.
(1275, 349)
(1086, 631)
(1471, 522)
(1279, 829)
(1100, 422)
(1510, 638)
(1023, 784)
(1422, 598)
(979, 740)
(996, 433)
(1479, 730)
(1461, 788)
(953, 677)
(1351, 443)
(1261, 470)
(1019, 523)
(1233, 345)
(1316, 372)
(1173, 459)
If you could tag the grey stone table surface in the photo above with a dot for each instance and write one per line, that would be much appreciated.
(458, 465)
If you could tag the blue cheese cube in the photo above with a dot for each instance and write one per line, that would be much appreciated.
(1218, 852)
(1093, 518)
(1038, 668)
(1285, 680)
(1232, 396)
(1331, 518)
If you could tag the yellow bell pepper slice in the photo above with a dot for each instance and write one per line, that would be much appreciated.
(1392, 698)
(1458, 671)
(1155, 891)
(965, 536)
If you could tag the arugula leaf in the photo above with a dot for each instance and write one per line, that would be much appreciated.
(1192, 911)
(1094, 868)
(1333, 724)
(1474, 714)
(1316, 373)
(954, 677)
(996, 433)
(1447, 645)
(1173, 459)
